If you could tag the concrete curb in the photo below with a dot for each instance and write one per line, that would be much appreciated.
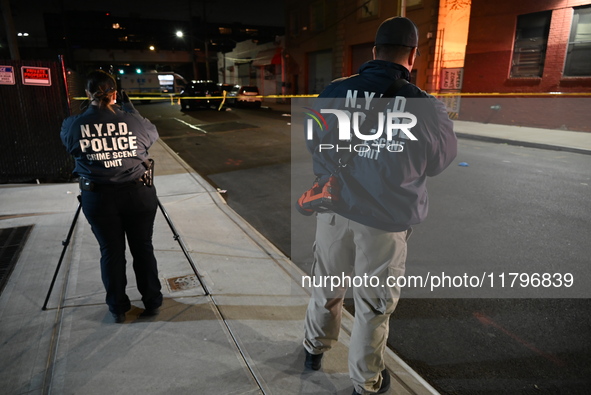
(490, 139)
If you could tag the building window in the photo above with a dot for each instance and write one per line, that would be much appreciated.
(531, 40)
(578, 55)
(368, 9)
(317, 16)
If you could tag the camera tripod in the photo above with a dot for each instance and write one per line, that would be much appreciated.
(175, 234)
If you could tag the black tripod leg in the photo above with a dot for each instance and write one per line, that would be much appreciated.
(178, 238)
(65, 243)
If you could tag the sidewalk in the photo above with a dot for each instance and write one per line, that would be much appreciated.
(244, 339)
(560, 140)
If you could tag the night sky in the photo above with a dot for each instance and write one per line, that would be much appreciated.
(28, 15)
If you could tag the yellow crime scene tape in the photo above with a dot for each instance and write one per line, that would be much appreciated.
(176, 98)
(173, 97)
(547, 94)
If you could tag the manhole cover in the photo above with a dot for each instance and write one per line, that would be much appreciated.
(12, 241)
(183, 283)
(225, 126)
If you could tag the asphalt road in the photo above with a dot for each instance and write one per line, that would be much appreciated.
(243, 152)
(511, 209)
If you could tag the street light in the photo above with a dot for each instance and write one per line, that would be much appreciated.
(180, 34)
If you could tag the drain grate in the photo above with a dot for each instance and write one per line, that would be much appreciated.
(12, 241)
(183, 283)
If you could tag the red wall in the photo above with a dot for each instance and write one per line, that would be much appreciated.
(564, 113)
(488, 63)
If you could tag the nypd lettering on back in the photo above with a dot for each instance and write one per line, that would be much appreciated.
(108, 142)
(391, 132)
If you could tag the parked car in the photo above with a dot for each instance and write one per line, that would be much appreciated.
(230, 91)
(247, 95)
(197, 94)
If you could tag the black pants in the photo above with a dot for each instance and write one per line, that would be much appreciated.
(115, 212)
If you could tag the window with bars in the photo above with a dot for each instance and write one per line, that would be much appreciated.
(578, 55)
(531, 40)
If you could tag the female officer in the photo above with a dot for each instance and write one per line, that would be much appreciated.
(110, 146)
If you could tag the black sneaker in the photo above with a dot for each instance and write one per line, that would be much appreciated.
(313, 361)
(385, 384)
(150, 312)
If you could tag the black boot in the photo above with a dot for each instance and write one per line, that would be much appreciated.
(313, 361)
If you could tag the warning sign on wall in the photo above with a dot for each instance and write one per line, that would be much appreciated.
(7, 75)
(36, 76)
(452, 78)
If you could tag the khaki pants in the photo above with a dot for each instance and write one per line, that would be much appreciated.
(346, 248)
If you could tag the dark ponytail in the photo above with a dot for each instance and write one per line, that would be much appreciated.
(102, 87)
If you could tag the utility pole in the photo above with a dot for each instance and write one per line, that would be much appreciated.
(192, 43)
(206, 41)
(10, 30)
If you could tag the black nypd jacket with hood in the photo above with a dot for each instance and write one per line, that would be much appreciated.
(383, 189)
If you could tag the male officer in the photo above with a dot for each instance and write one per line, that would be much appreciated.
(383, 193)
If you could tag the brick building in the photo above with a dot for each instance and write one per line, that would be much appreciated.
(328, 39)
(540, 49)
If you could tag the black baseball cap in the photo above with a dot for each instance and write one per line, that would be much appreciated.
(398, 31)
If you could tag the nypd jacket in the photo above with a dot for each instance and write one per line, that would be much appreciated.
(109, 147)
(384, 184)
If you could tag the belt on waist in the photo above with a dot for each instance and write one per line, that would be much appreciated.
(89, 185)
